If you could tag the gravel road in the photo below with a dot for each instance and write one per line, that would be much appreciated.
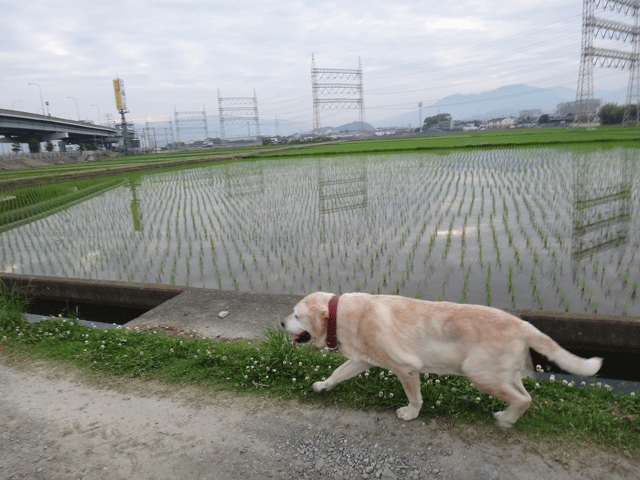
(59, 425)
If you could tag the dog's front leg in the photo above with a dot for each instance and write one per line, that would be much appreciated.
(411, 383)
(347, 370)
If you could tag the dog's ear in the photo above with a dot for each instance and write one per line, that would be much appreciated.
(318, 315)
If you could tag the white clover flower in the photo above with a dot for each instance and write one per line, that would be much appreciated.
(141, 352)
(438, 402)
(246, 377)
(299, 364)
(171, 350)
(86, 342)
(633, 394)
(101, 347)
(537, 385)
(552, 378)
(564, 382)
(583, 384)
(477, 399)
(293, 380)
(224, 358)
(380, 394)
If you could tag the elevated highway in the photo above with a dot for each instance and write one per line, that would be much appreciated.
(21, 127)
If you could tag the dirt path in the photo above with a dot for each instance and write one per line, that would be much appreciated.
(58, 426)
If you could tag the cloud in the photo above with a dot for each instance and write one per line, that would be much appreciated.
(171, 52)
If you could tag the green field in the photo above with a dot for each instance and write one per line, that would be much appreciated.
(600, 137)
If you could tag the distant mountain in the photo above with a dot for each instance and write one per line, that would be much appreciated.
(349, 126)
(506, 101)
(502, 102)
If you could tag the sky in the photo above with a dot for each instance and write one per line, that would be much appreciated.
(177, 55)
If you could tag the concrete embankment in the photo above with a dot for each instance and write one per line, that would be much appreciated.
(616, 338)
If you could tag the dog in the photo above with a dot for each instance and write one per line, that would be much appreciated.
(409, 337)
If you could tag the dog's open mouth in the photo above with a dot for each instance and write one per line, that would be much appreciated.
(303, 337)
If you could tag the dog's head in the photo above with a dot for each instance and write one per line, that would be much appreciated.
(308, 322)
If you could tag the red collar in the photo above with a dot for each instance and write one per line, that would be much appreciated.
(332, 337)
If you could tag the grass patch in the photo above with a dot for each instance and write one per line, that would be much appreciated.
(12, 303)
(275, 368)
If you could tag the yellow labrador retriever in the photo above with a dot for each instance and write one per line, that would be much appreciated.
(409, 337)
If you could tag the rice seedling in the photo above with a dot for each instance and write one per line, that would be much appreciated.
(268, 236)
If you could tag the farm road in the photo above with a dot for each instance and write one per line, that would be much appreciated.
(57, 425)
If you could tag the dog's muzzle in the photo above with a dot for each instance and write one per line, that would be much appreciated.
(303, 337)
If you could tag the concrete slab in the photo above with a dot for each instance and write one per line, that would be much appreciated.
(198, 309)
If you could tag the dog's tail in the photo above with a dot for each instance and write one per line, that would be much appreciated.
(545, 345)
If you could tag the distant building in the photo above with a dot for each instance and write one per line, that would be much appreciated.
(565, 109)
(501, 123)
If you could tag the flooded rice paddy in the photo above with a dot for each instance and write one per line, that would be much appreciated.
(541, 228)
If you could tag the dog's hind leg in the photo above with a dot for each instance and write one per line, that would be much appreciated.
(512, 392)
(347, 370)
(411, 383)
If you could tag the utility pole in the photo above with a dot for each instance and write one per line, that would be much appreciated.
(324, 90)
(77, 109)
(41, 101)
(622, 32)
(121, 105)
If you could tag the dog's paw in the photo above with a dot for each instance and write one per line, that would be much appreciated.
(502, 422)
(407, 413)
(319, 387)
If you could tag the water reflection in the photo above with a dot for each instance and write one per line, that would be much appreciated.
(343, 188)
(135, 206)
(244, 179)
(602, 203)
